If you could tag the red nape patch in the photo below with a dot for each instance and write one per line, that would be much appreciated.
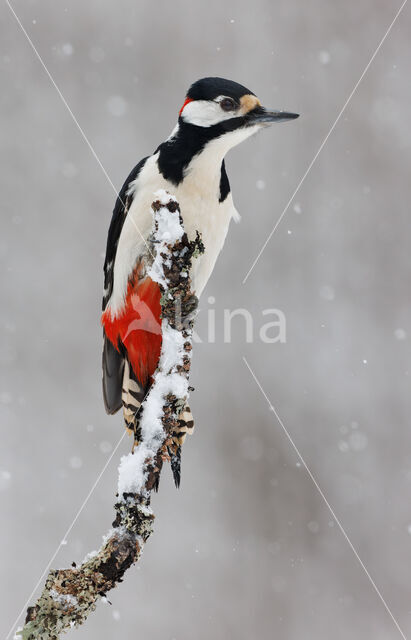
(187, 100)
(138, 327)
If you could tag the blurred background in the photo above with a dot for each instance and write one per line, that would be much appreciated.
(246, 548)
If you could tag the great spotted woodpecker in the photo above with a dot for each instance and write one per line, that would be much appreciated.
(217, 114)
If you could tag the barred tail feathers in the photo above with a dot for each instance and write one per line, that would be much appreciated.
(185, 426)
(132, 396)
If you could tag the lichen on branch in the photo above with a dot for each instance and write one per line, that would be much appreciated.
(70, 595)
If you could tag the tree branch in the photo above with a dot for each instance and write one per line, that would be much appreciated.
(70, 595)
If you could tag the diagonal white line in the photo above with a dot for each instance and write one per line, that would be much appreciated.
(85, 138)
(323, 144)
(76, 517)
(148, 248)
(320, 491)
(87, 498)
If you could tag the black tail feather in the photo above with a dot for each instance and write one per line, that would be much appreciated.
(176, 466)
(156, 483)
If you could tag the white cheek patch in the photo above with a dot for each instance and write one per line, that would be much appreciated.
(205, 113)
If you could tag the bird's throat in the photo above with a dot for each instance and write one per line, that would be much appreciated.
(192, 151)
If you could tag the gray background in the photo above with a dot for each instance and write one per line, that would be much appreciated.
(247, 548)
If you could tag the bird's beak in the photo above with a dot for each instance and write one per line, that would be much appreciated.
(260, 115)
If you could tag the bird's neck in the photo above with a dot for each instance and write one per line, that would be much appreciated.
(191, 151)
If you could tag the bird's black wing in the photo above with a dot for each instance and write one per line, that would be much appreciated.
(113, 361)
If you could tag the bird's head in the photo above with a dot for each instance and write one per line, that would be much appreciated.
(216, 108)
(217, 115)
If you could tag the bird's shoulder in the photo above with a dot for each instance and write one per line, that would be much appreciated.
(120, 210)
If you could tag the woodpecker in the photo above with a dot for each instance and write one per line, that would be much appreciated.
(216, 115)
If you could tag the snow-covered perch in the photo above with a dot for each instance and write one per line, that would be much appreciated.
(70, 595)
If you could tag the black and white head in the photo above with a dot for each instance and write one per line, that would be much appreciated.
(217, 115)
(215, 107)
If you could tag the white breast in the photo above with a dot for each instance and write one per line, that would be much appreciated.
(198, 195)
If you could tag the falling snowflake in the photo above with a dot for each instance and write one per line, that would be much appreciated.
(67, 48)
(105, 446)
(117, 106)
(358, 441)
(313, 526)
(327, 293)
(400, 334)
(324, 56)
(69, 170)
(343, 446)
(76, 462)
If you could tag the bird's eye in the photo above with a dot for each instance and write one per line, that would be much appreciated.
(227, 104)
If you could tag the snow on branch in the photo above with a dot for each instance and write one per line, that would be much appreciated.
(70, 595)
